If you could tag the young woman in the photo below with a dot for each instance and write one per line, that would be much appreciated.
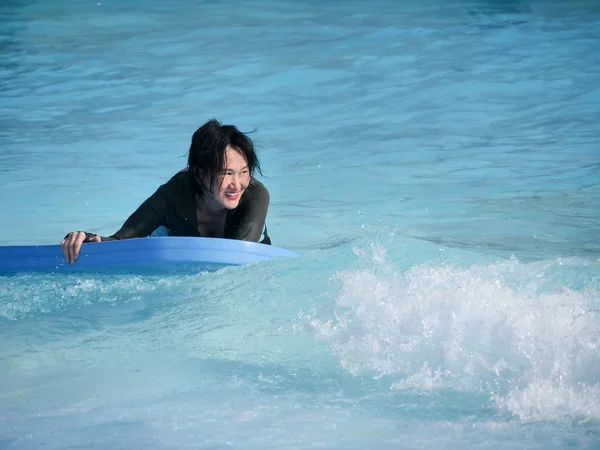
(216, 195)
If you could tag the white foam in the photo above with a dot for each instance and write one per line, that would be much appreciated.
(500, 329)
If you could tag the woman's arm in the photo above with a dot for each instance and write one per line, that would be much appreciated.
(147, 218)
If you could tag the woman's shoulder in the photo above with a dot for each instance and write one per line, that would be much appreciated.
(178, 179)
(255, 187)
(178, 184)
(256, 194)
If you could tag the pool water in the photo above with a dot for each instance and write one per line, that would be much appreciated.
(436, 164)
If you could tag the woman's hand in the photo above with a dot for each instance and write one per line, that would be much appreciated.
(71, 244)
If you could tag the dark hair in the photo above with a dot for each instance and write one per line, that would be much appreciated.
(206, 158)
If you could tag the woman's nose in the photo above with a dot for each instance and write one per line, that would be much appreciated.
(235, 181)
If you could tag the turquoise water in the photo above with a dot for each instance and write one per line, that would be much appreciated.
(436, 164)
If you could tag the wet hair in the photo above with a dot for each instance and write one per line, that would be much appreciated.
(207, 157)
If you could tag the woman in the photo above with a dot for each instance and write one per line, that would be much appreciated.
(215, 196)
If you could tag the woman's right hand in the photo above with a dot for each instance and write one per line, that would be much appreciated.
(71, 244)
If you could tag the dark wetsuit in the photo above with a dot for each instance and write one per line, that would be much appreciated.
(173, 206)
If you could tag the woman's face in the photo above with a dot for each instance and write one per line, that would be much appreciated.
(233, 181)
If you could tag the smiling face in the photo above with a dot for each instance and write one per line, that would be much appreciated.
(232, 182)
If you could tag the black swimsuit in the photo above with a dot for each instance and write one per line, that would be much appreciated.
(173, 206)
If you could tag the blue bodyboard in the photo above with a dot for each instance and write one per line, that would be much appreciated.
(140, 252)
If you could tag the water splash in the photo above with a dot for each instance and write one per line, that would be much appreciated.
(503, 329)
